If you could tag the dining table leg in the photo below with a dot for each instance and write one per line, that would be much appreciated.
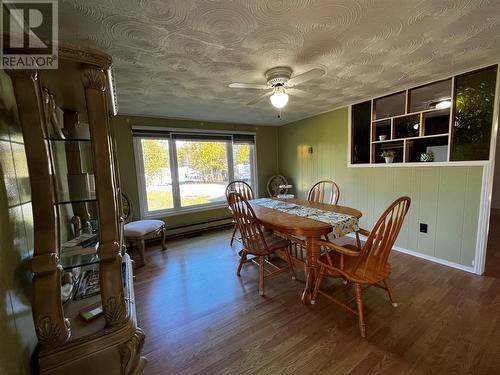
(312, 268)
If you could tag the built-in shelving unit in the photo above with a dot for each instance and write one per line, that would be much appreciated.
(444, 121)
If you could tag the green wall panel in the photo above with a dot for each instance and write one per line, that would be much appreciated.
(450, 213)
(445, 198)
(471, 210)
(428, 203)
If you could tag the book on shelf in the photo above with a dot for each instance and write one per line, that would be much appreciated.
(81, 241)
(89, 284)
(91, 312)
(84, 245)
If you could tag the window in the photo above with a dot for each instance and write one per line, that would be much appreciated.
(202, 170)
(182, 171)
(157, 174)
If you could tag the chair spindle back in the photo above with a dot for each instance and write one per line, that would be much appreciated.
(326, 191)
(248, 225)
(376, 250)
(274, 183)
(240, 187)
(126, 208)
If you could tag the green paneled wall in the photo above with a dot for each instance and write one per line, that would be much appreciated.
(266, 139)
(445, 198)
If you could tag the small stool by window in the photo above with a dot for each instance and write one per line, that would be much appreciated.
(137, 232)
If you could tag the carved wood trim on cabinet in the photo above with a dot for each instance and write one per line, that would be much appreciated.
(50, 325)
(111, 344)
(94, 82)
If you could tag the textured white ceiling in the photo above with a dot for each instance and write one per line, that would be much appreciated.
(175, 58)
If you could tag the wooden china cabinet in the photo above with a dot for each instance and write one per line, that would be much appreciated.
(66, 119)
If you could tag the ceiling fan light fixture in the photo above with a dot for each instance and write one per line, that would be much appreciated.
(443, 104)
(279, 98)
(440, 104)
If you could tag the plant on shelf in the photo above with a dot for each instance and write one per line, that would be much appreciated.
(427, 156)
(388, 155)
(475, 95)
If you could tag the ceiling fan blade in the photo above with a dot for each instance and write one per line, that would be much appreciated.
(236, 85)
(304, 77)
(297, 92)
(259, 98)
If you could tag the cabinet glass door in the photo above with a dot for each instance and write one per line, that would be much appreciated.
(361, 119)
(473, 115)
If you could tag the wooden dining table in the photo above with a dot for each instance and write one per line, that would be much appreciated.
(297, 226)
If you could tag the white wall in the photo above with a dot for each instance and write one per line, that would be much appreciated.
(495, 194)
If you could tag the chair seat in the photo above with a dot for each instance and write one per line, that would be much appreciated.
(359, 275)
(140, 228)
(275, 242)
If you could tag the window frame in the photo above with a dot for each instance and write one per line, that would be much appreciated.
(173, 165)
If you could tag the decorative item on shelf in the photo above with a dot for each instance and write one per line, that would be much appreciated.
(81, 241)
(274, 183)
(91, 312)
(427, 156)
(89, 284)
(51, 119)
(82, 250)
(67, 285)
(285, 188)
(382, 137)
(388, 155)
(76, 223)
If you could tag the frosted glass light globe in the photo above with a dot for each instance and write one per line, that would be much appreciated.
(443, 104)
(279, 98)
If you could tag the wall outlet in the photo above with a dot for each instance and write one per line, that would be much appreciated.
(423, 228)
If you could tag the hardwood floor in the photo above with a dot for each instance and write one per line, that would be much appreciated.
(200, 318)
(493, 254)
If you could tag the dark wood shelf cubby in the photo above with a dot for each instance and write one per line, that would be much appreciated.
(396, 146)
(438, 145)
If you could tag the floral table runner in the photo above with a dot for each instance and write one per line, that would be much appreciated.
(342, 224)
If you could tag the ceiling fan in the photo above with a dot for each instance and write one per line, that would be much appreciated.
(280, 84)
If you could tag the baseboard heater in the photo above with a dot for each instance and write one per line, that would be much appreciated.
(182, 230)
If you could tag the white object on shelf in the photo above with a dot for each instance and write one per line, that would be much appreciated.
(440, 152)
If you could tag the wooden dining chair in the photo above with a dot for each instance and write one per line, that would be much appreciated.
(326, 191)
(257, 241)
(274, 183)
(246, 191)
(367, 265)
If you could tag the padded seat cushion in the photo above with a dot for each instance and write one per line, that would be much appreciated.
(140, 228)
